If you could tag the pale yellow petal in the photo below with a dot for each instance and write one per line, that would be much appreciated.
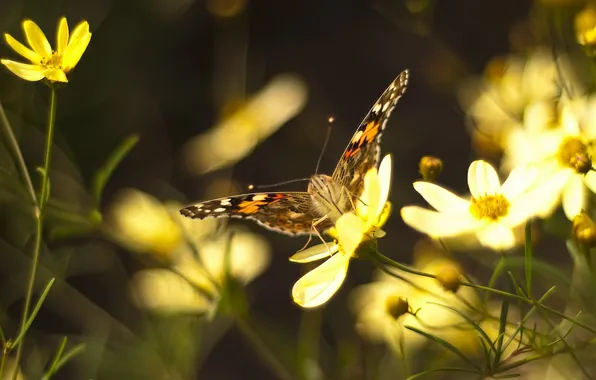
(62, 36)
(350, 231)
(575, 196)
(164, 291)
(590, 180)
(385, 180)
(496, 236)
(540, 201)
(36, 39)
(77, 44)
(22, 49)
(436, 224)
(372, 188)
(319, 285)
(314, 253)
(28, 72)
(483, 179)
(441, 199)
(518, 181)
(55, 75)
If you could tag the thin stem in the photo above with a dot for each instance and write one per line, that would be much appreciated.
(45, 192)
(17, 153)
(264, 351)
(387, 261)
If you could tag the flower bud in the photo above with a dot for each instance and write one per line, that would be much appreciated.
(430, 167)
(584, 230)
(397, 306)
(449, 277)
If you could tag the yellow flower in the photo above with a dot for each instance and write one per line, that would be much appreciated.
(45, 62)
(491, 213)
(373, 305)
(351, 229)
(562, 155)
(194, 283)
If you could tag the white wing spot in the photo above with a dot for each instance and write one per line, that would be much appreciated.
(225, 202)
(376, 108)
(206, 211)
(385, 106)
(220, 209)
(357, 136)
(259, 197)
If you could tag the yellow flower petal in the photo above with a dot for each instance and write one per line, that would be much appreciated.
(440, 199)
(77, 44)
(575, 196)
(482, 179)
(350, 231)
(384, 180)
(62, 36)
(164, 291)
(36, 39)
(55, 75)
(437, 224)
(370, 210)
(22, 49)
(590, 180)
(28, 72)
(518, 181)
(319, 285)
(496, 236)
(314, 253)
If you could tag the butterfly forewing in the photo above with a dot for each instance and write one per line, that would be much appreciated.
(290, 213)
(363, 150)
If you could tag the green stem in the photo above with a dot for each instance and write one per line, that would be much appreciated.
(262, 349)
(528, 253)
(17, 153)
(387, 261)
(45, 192)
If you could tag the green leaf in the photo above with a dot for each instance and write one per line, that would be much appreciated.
(502, 327)
(528, 253)
(447, 345)
(105, 172)
(446, 369)
(59, 360)
(31, 318)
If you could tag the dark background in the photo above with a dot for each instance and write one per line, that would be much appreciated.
(152, 68)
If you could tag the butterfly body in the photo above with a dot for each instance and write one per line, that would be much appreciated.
(327, 197)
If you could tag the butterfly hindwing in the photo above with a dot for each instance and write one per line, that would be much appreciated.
(290, 213)
(363, 150)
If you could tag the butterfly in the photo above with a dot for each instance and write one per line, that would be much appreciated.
(327, 197)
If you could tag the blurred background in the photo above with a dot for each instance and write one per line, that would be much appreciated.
(223, 94)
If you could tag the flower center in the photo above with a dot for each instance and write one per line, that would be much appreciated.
(55, 61)
(396, 306)
(573, 153)
(489, 206)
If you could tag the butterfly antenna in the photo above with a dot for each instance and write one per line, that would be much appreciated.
(253, 187)
(330, 125)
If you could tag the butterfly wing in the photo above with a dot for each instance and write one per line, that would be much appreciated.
(363, 151)
(288, 213)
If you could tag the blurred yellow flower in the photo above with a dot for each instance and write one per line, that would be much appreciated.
(585, 26)
(562, 155)
(513, 88)
(491, 213)
(144, 224)
(194, 283)
(195, 252)
(375, 320)
(45, 62)
(351, 229)
(236, 135)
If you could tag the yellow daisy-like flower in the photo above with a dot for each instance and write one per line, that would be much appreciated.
(351, 229)
(563, 155)
(380, 319)
(491, 213)
(45, 62)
